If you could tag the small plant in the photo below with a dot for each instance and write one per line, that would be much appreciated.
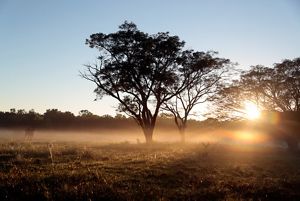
(12, 146)
(19, 157)
(205, 146)
(50, 148)
(86, 155)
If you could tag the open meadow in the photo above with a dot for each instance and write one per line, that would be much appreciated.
(61, 170)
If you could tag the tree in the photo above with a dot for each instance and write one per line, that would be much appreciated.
(264, 85)
(139, 70)
(288, 73)
(206, 72)
(54, 117)
(271, 89)
(275, 90)
(85, 113)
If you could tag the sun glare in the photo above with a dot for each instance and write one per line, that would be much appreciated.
(251, 110)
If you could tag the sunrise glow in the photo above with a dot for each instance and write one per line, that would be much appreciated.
(251, 110)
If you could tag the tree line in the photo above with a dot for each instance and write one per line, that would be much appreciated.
(85, 120)
(55, 119)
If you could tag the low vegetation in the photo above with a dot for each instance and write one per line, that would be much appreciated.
(161, 171)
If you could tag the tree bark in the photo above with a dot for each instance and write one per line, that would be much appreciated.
(182, 135)
(148, 133)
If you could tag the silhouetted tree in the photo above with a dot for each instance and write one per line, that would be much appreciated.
(33, 119)
(228, 103)
(264, 86)
(139, 70)
(58, 118)
(275, 88)
(85, 113)
(206, 72)
(271, 89)
(120, 116)
(21, 112)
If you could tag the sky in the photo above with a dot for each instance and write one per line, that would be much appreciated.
(42, 43)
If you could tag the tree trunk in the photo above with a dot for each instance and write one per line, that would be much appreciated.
(148, 133)
(182, 135)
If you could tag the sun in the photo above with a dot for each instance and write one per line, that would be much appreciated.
(251, 110)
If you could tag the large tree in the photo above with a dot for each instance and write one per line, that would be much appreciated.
(275, 90)
(229, 102)
(206, 72)
(139, 70)
(288, 73)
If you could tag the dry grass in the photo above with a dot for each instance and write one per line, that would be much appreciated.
(138, 172)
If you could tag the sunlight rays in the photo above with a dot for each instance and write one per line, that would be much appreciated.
(251, 110)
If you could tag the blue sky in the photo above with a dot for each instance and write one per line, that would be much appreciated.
(42, 43)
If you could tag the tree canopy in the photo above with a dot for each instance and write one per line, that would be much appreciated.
(271, 89)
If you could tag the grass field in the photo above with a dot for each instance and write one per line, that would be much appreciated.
(123, 171)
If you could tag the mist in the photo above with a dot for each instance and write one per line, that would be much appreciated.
(135, 136)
